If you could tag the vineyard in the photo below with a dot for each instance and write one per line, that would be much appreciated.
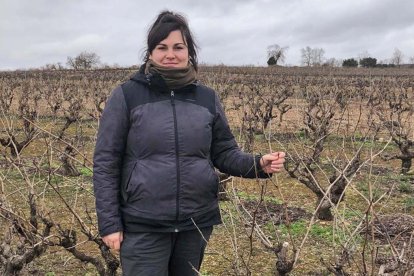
(343, 206)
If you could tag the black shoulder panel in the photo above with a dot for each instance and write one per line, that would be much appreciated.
(207, 98)
(200, 95)
(137, 93)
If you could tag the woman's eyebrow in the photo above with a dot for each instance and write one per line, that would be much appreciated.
(175, 44)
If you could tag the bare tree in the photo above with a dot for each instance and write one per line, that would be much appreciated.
(397, 57)
(85, 60)
(332, 62)
(276, 53)
(312, 56)
(306, 56)
(53, 66)
(317, 56)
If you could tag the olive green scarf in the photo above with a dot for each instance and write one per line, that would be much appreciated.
(174, 77)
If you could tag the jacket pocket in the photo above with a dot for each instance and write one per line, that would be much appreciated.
(127, 182)
(215, 174)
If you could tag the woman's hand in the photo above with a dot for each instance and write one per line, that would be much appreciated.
(272, 162)
(114, 240)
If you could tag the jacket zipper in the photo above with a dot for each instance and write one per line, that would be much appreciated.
(177, 160)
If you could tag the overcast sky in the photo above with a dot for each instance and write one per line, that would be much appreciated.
(232, 32)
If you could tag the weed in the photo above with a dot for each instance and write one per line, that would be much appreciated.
(86, 171)
(320, 231)
(297, 228)
(363, 187)
(405, 187)
(409, 204)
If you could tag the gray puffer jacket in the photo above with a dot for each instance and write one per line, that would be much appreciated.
(156, 151)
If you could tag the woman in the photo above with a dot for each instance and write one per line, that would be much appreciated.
(160, 137)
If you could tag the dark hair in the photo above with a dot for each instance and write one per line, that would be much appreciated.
(165, 23)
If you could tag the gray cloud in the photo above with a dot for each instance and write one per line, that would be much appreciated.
(236, 32)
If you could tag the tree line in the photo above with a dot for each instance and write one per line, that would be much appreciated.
(312, 57)
(276, 54)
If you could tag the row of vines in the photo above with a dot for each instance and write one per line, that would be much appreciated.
(349, 139)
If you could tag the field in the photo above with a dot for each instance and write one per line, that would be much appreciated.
(343, 206)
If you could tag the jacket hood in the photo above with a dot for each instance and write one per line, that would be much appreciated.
(141, 77)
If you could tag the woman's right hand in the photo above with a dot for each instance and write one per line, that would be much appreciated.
(114, 240)
(272, 162)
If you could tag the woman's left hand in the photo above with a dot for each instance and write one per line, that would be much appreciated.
(272, 162)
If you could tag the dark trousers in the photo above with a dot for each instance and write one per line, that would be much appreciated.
(164, 254)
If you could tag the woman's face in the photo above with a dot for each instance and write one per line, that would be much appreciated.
(171, 52)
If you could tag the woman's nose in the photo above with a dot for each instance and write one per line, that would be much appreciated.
(170, 54)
